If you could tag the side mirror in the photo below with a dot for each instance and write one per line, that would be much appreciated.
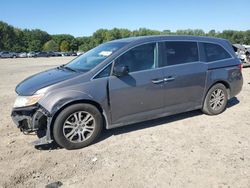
(121, 71)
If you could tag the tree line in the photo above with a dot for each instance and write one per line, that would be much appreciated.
(24, 40)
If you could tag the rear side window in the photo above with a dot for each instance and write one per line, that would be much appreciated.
(177, 52)
(214, 52)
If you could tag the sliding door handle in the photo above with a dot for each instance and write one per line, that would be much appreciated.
(168, 79)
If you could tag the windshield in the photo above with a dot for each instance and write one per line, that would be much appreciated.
(92, 58)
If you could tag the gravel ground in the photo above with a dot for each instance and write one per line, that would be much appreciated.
(185, 150)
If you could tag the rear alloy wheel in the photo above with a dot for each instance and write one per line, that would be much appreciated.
(216, 100)
(77, 126)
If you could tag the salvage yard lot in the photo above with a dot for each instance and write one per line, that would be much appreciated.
(185, 150)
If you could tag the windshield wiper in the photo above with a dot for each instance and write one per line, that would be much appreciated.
(68, 68)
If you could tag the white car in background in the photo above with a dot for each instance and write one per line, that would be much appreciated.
(31, 54)
(22, 55)
(79, 53)
(243, 53)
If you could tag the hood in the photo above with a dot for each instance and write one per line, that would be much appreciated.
(38, 81)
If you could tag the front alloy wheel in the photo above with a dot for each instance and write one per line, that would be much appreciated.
(77, 126)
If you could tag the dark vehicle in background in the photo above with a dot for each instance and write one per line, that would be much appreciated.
(127, 81)
(58, 54)
(50, 54)
(6, 54)
(54, 54)
(42, 54)
(66, 54)
(73, 54)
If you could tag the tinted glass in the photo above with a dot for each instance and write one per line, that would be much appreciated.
(180, 52)
(105, 72)
(92, 58)
(214, 52)
(139, 58)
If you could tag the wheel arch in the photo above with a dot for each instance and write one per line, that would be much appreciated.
(80, 101)
(225, 83)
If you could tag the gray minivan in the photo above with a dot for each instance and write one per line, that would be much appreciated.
(127, 81)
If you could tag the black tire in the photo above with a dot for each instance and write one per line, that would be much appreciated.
(212, 110)
(59, 126)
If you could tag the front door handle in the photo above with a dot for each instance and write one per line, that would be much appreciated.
(168, 79)
(158, 81)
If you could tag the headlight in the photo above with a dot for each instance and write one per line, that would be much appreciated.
(22, 101)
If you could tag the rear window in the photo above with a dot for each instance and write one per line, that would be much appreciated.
(214, 52)
(176, 52)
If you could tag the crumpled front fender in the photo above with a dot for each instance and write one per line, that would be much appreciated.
(56, 100)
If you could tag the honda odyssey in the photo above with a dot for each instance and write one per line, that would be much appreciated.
(127, 81)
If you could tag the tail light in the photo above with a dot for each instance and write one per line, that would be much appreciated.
(240, 67)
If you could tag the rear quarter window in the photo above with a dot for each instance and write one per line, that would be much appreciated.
(214, 52)
(179, 52)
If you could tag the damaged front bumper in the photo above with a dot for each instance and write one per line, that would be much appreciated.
(32, 119)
